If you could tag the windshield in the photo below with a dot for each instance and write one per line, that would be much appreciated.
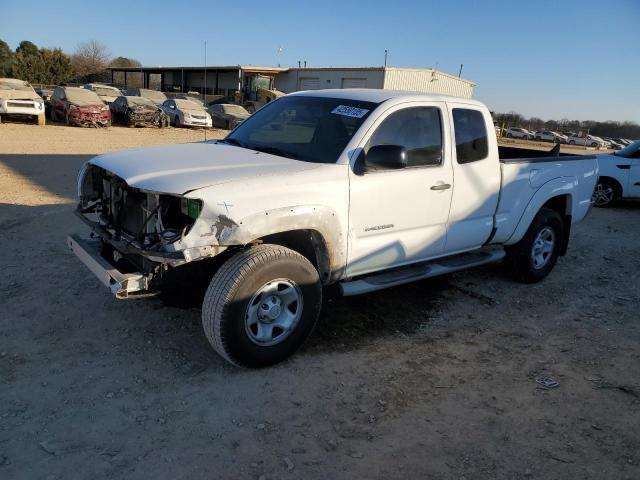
(188, 105)
(312, 129)
(107, 91)
(629, 149)
(235, 110)
(153, 94)
(82, 96)
(15, 85)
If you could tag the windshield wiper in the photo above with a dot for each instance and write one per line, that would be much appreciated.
(274, 151)
(232, 141)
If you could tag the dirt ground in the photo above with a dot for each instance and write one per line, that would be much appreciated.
(433, 380)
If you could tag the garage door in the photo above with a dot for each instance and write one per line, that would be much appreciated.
(309, 83)
(354, 83)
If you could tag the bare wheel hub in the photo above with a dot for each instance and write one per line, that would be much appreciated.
(273, 312)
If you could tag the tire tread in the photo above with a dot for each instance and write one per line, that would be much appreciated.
(224, 283)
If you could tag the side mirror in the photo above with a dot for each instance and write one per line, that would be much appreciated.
(386, 157)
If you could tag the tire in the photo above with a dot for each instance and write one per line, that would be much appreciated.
(176, 122)
(242, 302)
(594, 144)
(605, 193)
(509, 135)
(534, 256)
(572, 142)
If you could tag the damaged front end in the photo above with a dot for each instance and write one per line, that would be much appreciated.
(147, 116)
(138, 236)
(90, 116)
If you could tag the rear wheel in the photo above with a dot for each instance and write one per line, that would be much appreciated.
(176, 121)
(594, 144)
(532, 258)
(261, 305)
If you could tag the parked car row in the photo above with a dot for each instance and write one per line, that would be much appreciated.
(570, 138)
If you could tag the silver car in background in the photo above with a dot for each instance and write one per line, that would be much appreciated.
(186, 113)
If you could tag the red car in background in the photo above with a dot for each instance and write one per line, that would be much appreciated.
(78, 106)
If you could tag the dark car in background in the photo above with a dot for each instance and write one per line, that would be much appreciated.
(155, 96)
(79, 106)
(227, 115)
(137, 112)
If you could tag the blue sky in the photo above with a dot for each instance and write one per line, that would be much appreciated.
(552, 59)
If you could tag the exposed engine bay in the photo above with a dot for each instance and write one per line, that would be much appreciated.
(136, 223)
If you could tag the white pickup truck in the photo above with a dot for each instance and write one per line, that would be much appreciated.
(363, 188)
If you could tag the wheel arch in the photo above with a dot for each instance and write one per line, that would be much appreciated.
(556, 195)
(309, 243)
(615, 183)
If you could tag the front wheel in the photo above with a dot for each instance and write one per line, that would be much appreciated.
(261, 305)
(534, 256)
(605, 193)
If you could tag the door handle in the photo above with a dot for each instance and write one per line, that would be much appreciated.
(441, 186)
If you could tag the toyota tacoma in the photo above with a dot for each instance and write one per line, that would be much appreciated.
(360, 188)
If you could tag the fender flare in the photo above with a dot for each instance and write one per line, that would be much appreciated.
(322, 222)
(553, 188)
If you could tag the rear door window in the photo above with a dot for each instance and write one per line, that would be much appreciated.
(472, 143)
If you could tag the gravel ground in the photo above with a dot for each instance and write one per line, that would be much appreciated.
(435, 379)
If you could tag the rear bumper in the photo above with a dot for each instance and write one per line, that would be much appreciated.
(122, 285)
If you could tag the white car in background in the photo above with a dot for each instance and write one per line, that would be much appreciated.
(107, 93)
(514, 132)
(186, 113)
(619, 175)
(550, 136)
(19, 99)
(587, 141)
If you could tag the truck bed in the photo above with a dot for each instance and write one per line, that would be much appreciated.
(529, 177)
(531, 155)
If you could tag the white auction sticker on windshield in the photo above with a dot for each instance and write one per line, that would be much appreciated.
(348, 111)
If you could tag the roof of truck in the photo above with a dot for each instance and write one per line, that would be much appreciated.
(378, 95)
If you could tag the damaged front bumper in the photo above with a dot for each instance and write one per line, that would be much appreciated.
(82, 118)
(103, 252)
(122, 285)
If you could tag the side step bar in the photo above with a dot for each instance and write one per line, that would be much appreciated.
(421, 271)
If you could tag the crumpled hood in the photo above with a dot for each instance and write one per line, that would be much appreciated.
(181, 168)
(19, 95)
(107, 98)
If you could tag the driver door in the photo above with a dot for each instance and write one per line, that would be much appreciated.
(399, 216)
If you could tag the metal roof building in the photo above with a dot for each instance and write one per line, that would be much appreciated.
(227, 80)
(427, 80)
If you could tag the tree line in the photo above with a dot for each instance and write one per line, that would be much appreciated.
(52, 66)
(609, 128)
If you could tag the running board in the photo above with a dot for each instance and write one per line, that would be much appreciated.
(421, 271)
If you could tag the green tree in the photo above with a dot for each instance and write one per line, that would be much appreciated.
(125, 62)
(6, 59)
(27, 48)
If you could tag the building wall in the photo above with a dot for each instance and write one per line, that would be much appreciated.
(310, 79)
(427, 80)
